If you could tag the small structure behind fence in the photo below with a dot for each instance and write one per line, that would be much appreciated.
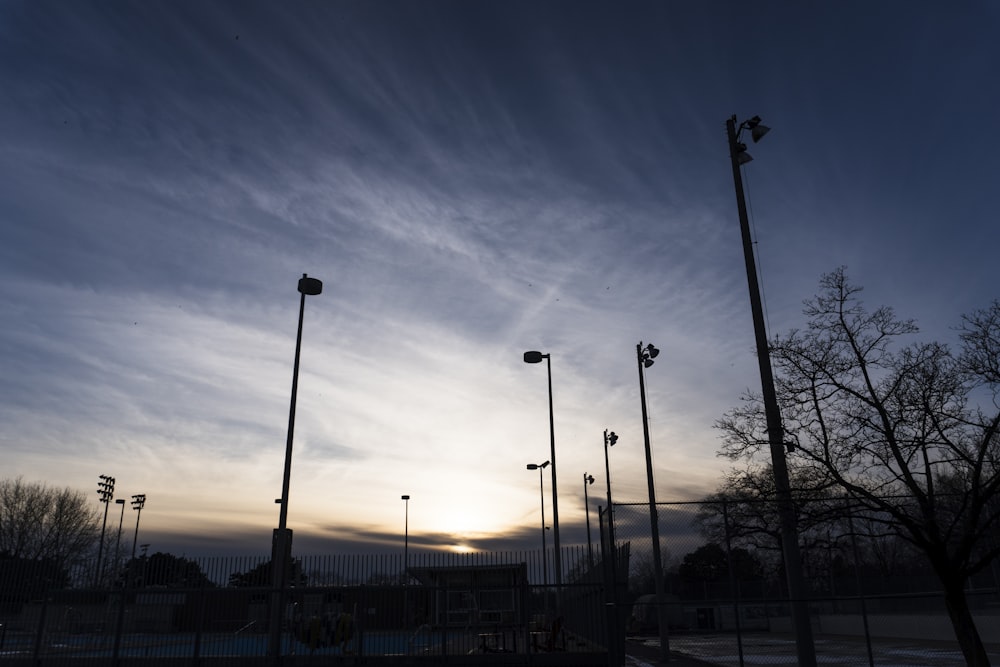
(468, 607)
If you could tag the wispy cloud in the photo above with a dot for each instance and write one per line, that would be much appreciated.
(469, 182)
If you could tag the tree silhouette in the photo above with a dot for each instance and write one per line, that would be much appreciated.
(166, 570)
(38, 522)
(260, 576)
(896, 429)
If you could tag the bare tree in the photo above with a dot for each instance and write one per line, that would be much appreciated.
(895, 427)
(38, 522)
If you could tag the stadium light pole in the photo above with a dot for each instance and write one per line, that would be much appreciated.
(610, 555)
(282, 542)
(587, 480)
(805, 647)
(138, 502)
(610, 438)
(645, 356)
(534, 357)
(105, 493)
(118, 540)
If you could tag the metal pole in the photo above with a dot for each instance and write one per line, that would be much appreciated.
(612, 557)
(406, 560)
(106, 491)
(857, 580)
(555, 494)
(545, 558)
(138, 505)
(609, 439)
(654, 527)
(586, 505)
(805, 648)
(282, 545)
(406, 538)
(733, 583)
(118, 540)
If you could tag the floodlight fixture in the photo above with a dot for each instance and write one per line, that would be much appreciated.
(647, 354)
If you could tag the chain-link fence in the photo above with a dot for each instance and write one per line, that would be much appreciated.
(379, 607)
(871, 596)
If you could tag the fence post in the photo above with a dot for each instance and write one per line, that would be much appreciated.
(614, 641)
(200, 626)
(861, 593)
(41, 628)
(733, 584)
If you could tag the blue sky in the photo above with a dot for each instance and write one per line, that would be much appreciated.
(470, 180)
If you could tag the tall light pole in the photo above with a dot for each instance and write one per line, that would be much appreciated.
(772, 414)
(282, 543)
(105, 493)
(534, 357)
(610, 556)
(406, 537)
(645, 356)
(541, 491)
(610, 438)
(588, 479)
(406, 558)
(118, 540)
(138, 502)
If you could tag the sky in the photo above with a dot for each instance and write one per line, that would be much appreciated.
(470, 180)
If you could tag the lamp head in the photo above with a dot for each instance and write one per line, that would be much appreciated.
(404, 497)
(758, 132)
(310, 286)
(647, 354)
(742, 157)
(120, 501)
(534, 357)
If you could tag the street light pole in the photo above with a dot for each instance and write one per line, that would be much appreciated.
(645, 356)
(105, 492)
(541, 491)
(282, 543)
(772, 414)
(588, 479)
(535, 357)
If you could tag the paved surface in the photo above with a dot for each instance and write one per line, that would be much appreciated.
(768, 649)
(640, 652)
